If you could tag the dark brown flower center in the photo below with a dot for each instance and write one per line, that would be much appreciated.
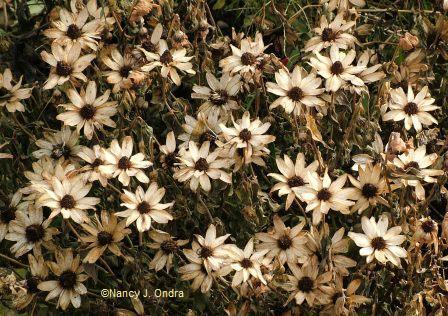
(67, 280)
(3, 92)
(124, 71)
(143, 207)
(245, 135)
(284, 242)
(328, 35)
(219, 98)
(8, 215)
(248, 59)
(246, 263)
(171, 159)
(295, 94)
(378, 243)
(207, 137)
(412, 164)
(34, 233)
(96, 163)
(411, 108)
(166, 57)
(63, 69)
(205, 252)
(295, 182)
(87, 112)
(168, 246)
(73, 32)
(67, 202)
(428, 226)
(305, 284)
(337, 68)
(31, 284)
(369, 190)
(60, 150)
(201, 164)
(324, 195)
(124, 163)
(149, 46)
(104, 238)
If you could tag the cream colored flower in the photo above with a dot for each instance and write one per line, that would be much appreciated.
(11, 96)
(412, 109)
(247, 135)
(66, 64)
(370, 73)
(94, 159)
(369, 187)
(9, 213)
(104, 235)
(123, 71)
(199, 165)
(343, 5)
(68, 197)
(73, 29)
(337, 69)
(307, 285)
(247, 58)
(379, 242)
(166, 247)
(87, 111)
(219, 96)
(296, 89)
(170, 61)
(322, 194)
(332, 34)
(151, 44)
(201, 278)
(292, 176)
(119, 161)
(30, 231)
(62, 144)
(285, 243)
(413, 169)
(168, 156)
(246, 263)
(68, 280)
(145, 207)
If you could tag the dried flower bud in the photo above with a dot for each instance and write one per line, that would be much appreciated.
(408, 41)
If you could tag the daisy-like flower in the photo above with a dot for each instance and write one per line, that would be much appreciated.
(166, 247)
(104, 234)
(11, 96)
(413, 109)
(292, 176)
(94, 159)
(88, 111)
(145, 207)
(379, 242)
(204, 128)
(322, 194)
(66, 64)
(67, 283)
(332, 34)
(369, 187)
(413, 167)
(9, 213)
(285, 243)
(119, 161)
(61, 144)
(247, 263)
(170, 62)
(39, 272)
(296, 89)
(247, 135)
(247, 58)
(427, 232)
(199, 165)
(237, 154)
(337, 69)
(210, 251)
(219, 96)
(168, 156)
(73, 29)
(68, 197)
(201, 278)
(30, 231)
(151, 44)
(307, 285)
(370, 73)
(123, 71)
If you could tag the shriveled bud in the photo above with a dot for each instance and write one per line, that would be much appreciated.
(408, 41)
